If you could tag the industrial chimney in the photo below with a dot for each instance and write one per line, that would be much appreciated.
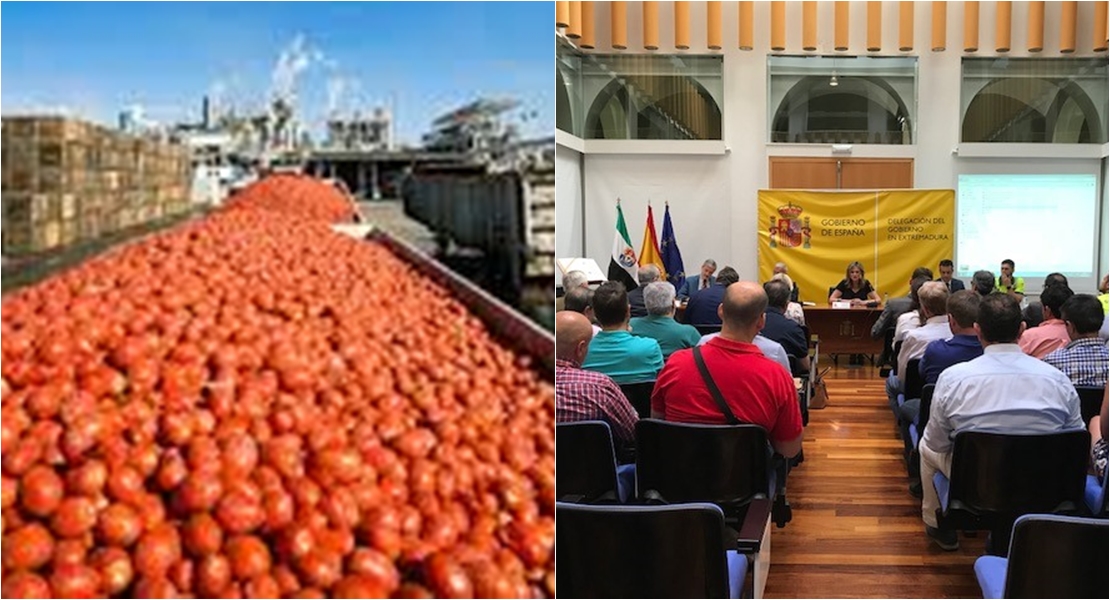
(206, 114)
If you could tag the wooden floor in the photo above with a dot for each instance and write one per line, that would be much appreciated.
(857, 531)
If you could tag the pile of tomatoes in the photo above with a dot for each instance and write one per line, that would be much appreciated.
(253, 406)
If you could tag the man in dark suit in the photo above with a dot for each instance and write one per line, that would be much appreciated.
(702, 309)
(946, 270)
(647, 274)
(698, 282)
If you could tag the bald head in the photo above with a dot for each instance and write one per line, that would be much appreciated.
(742, 310)
(573, 333)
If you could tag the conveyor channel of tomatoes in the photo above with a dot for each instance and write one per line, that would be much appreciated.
(251, 405)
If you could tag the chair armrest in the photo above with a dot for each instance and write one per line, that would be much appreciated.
(750, 537)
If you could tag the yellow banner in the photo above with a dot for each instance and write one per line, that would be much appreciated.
(891, 233)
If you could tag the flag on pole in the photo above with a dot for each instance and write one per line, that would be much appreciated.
(649, 250)
(622, 265)
(672, 258)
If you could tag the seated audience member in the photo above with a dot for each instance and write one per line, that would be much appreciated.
(573, 279)
(946, 270)
(911, 319)
(1051, 333)
(701, 281)
(1032, 314)
(1104, 293)
(782, 269)
(770, 348)
(1104, 298)
(580, 300)
(586, 395)
(754, 388)
(646, 274)
(702, 308)
(659, 324)
(963, 309)
(615, 351)
(1099, 435)
(934, 310)
(896, 307)
(982, 283)
(1004, 391)
(854, 287)
(1055, 279)
(1085, 360)
(1008, 283)
(780, 329)
(794, 310)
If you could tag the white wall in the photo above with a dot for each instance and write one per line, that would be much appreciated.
(695, 186)
(569, 220)
(713, 197)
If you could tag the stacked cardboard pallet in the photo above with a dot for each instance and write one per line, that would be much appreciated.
(66, 181)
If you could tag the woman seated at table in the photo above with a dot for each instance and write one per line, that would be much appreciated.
(854, 287)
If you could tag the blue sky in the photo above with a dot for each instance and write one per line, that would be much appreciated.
(94, 58)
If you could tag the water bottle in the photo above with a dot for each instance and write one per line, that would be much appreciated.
(886, 298)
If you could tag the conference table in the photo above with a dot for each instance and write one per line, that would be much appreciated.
(844, 330)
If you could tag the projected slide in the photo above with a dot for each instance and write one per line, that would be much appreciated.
(1044, 223)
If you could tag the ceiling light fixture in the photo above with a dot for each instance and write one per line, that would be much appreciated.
(833, 82)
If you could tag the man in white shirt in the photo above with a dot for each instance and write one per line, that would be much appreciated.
(1004, 391)
(933, 296)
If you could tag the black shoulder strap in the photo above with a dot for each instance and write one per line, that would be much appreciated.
(713, 389)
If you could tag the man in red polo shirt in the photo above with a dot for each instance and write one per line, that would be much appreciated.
(757, 389)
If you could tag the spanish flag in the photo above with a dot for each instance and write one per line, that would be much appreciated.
(649, 251)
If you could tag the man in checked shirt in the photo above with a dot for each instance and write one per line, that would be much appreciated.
(587, 395)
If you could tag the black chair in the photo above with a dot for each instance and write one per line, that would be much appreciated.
(639, 396)
(804, 392)
(911, 381)
(1090, 402)
(1050, 557)
(996, 478)
(587, 469)
(894, 356)
(886, 359)
(676, 551)
(728, 465)
(916, 430)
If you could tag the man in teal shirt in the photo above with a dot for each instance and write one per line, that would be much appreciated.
(615, 351)
(660, 325)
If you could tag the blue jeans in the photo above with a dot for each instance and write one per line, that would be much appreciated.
(893, 388)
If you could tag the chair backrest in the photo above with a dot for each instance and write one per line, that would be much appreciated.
(894, 357)
(888, 341)
(1058, 557)
(675, 551)
(639, 396)
(727, 465)
(926, 406)
(1090, 401)
(831, 290)
(1005, 476)
(706, 329)
(588, 467)
(912, 379)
